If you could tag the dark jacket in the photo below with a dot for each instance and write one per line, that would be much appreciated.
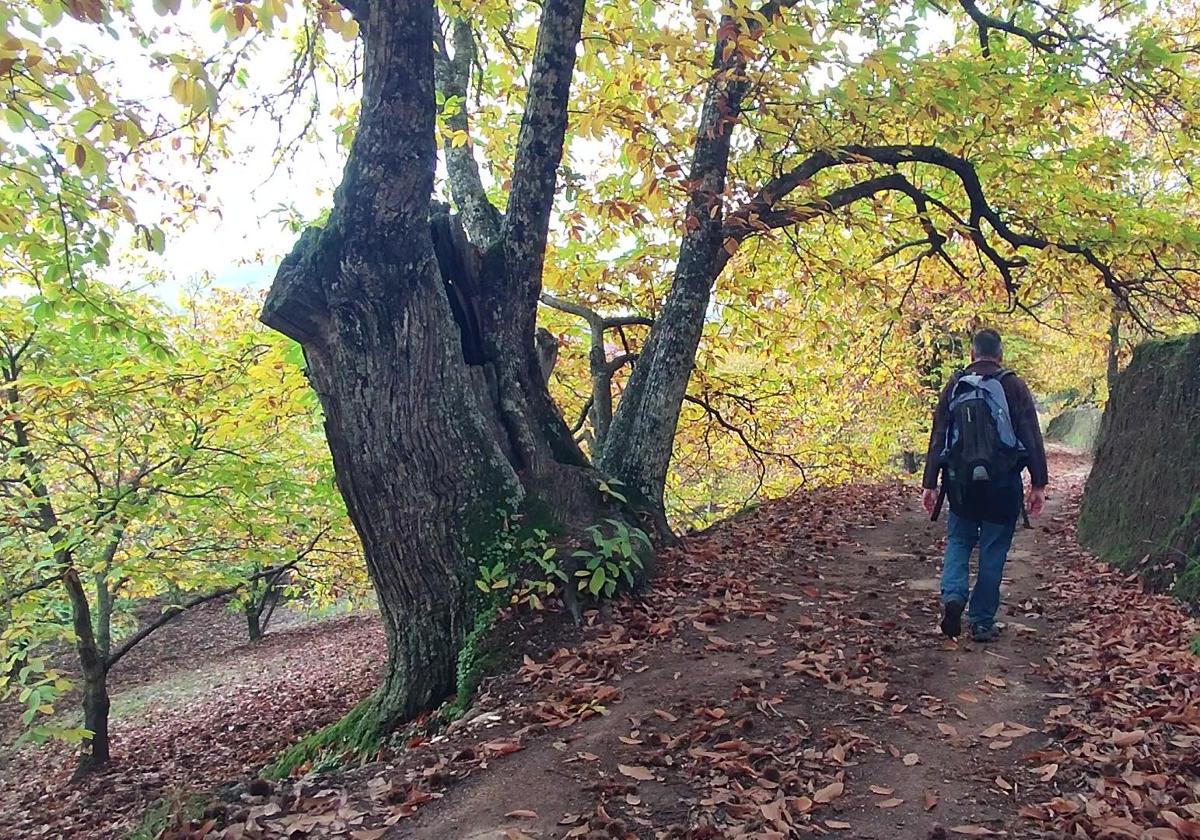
(1025, 423)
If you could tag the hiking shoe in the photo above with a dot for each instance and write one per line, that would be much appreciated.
(952, 618)
(985, 634)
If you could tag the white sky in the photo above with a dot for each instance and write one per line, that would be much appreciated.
(239, 241)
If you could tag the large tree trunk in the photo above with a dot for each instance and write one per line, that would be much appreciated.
(436, 409)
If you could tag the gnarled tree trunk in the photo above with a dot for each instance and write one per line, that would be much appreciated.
(421, 346)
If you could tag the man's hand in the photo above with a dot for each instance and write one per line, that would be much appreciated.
(928, 500)
(1037, 500)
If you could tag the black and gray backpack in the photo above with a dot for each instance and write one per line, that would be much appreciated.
(981, 444)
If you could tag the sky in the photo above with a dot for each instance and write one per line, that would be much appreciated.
(238, 241)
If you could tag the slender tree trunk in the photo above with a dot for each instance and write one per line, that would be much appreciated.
(106, 593)
(93, 661)
(642, 434)
(1114, 346)
(261, 605)
(95, 719)
(104, 611)
(94, 665)
(253, 623)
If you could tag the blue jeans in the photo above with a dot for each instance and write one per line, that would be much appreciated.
(994, 541)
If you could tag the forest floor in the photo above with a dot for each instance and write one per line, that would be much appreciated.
(785, 678)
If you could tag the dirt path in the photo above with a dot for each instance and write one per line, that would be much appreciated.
(822, 671)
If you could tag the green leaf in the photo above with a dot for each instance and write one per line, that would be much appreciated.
(597, 581)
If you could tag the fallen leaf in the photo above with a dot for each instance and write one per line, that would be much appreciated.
(829, 793)
(522, 814)
(639, 773)
(1128, 739)
(890, 803)
(503, 747)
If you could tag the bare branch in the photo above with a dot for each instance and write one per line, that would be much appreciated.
(571, 308)
(33, 587)
(174, 611)
(583, 413)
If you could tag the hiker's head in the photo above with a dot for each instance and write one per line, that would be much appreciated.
(986, 344)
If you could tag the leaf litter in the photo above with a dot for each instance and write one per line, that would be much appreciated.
(752, 693)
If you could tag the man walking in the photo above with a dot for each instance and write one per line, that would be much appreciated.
(985, 433)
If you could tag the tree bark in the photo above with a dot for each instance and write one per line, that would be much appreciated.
(95, 720)
(642, 433)
(1114, 346)
(106, 594)
(421, 348)
(94, 665)
(253, 624)
(104, 610)
(415, 457)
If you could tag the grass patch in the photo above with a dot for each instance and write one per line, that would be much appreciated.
(168, 812)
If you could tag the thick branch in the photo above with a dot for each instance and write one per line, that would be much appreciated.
(761, 212)
(618, 321)
(741, 226)
(618, 362)
(540, 143)
(452, 74)
(571, 308)
(1046, 40)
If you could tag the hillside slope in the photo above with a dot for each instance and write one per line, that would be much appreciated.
(1141, 507)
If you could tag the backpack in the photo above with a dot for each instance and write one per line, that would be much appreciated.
(981, 444)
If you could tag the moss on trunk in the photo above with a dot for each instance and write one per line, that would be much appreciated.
(357, 736)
